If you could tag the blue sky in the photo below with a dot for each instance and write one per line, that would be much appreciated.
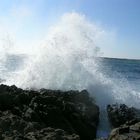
(27, 21)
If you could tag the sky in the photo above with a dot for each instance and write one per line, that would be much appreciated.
(27, 21)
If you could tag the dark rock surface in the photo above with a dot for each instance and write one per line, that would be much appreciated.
(46, 114)
(126, 120)
(120, 114)
(126, 132)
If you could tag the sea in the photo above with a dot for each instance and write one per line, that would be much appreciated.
(126, 68)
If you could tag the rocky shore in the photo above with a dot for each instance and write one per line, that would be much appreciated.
(60, 115)
(47, 114)
(125, 121)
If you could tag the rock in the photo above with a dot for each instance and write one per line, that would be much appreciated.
(47, 114)
(10, 122)
(126, 132)
(33, 126)
(126, 120)
(120, 114)
(51, 134)
(123, 130)
(31, 115)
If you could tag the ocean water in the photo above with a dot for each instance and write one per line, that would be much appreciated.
(126, 68)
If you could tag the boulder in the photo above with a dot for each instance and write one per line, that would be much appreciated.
(47, 114)
(126, 121)
(126, 132)
(120, 114)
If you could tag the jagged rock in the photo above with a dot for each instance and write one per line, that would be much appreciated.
(126, 120)
(10, 122)
(126, 132)
(28, 114)
(120, 114)
(51, 134)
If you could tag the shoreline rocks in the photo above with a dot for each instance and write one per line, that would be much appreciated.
(126, 121)
(126, 132)
(60, 115)
(47, 114)
(119, 114)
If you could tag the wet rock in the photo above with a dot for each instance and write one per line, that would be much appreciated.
(31, 115)
(126, 120)
(51, 134)
(126, 132)
(47, 114)
(10, 122)
(120, 114)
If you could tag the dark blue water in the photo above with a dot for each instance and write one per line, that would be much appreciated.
(126, 68)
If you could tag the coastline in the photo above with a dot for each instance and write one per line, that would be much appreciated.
(65, 115)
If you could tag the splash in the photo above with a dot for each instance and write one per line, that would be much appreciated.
(68, 60)
(61, 60)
